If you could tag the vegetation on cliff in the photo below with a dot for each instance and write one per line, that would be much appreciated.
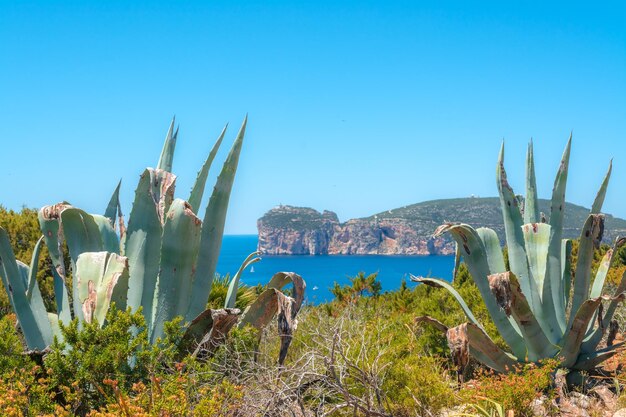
(403, 230)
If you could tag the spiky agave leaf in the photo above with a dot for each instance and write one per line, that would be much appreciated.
(31, 314)
(143, 237)
(213, 229)
(443, 284)
(167, 154)
(195, 198)
(233, 287)
(590, 238)
(179, 250)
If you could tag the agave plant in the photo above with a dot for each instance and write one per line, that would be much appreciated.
(163, 262)
(539, 307)
(270, 303)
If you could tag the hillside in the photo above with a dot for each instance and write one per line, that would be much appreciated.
(406, 230)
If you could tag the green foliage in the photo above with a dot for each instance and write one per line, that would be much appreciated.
(11, 349)
(360, 286)
(78, 366)
(23, 388)
(419, 387)
(245, 294)
(116, 370)
(513, 391)
(182, 394)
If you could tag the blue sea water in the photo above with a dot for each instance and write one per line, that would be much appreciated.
(321, 271)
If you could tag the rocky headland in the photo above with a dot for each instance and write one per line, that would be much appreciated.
(288, 230)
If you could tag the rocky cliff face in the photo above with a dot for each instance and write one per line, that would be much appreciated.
(287, 230)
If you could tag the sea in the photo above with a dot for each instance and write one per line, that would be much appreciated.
(321, 271)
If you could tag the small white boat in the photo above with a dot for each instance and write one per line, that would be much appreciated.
(252, 269)
(315, 288)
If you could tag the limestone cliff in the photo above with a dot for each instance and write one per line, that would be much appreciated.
(288, 230)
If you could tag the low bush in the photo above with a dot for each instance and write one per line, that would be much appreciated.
(514, 391)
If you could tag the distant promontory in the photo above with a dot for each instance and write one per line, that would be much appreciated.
(288, 230)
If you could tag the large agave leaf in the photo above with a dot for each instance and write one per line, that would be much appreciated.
(32, 270)
(536, 241)
(110, 240)
(507, 291)
(231, 296)
(592, 341)
(443, 284)
(34, 298)
(199, 328)
(603, 268)
(490, 240)
(167, 154)
(558, 192)
(33, 293)
(213, 229)
(280, 279)
(590, 238)
(208, 331)
(476, 261)
(573, 338)
(195, 198)
(260, 313)
(553, 283)
(469, 339)
(50, 225)
(516, 246)
(82, 234)
(179, 249)
(102, 278)
(531, 207)
(142, 245)
(36, 330)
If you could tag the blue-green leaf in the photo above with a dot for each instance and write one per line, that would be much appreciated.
(195, 198)
(231, 296)
(213, 229)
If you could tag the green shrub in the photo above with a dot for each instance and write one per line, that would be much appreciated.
(514, 391)
(419, 386)
(78, 367)
(23, 387)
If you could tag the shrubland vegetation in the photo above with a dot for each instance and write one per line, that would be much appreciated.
(364, 351)
(361, 354)
(147, 334)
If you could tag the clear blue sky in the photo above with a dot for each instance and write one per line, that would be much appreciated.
(356, 107)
